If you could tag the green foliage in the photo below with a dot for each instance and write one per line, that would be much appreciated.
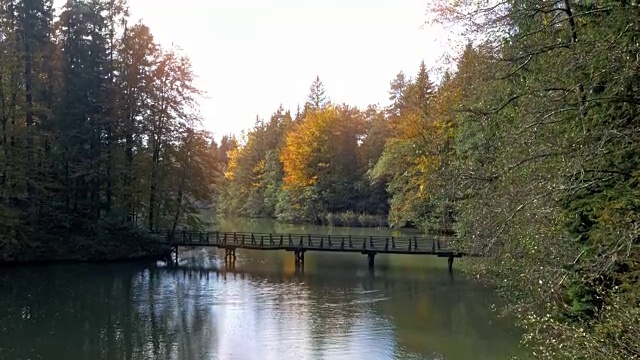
(299, 205)
(352, 219)
(545, 162)
(411, 154)
(254, 174)
(99, 134)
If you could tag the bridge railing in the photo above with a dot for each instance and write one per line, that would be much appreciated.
(377, 243)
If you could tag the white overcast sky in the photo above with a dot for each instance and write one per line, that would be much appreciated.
(252, 55)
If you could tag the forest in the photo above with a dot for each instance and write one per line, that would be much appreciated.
(527, 148)
(100, 136)
(338, 165)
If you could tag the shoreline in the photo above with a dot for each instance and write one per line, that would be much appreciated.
(69, 261)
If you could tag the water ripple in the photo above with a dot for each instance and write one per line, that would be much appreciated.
(255, 313)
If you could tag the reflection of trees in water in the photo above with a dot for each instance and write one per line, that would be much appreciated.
(173, 324)
(62, 312)
(129, 312)
(336, 308)
(321, 312)
(431, 312)
(449, 319)
(78, 312)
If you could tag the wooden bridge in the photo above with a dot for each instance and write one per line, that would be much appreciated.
(301, 243)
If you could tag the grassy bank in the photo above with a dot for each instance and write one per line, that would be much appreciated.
(353, 219)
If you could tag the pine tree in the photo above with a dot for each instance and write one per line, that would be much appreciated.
(316, 99)
(396, 94)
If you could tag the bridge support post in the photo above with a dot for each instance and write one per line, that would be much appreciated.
(371, 259)
(450, 263)
(172, 257)
(230, 255)
(299, 254)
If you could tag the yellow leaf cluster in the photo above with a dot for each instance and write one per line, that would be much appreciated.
(305, 144)
(232, 164)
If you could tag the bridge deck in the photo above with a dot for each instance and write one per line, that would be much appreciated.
(313, 242)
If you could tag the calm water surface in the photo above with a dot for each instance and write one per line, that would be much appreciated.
(408, 308)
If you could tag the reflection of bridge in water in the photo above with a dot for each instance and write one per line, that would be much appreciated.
(301, 243)
(365, 279)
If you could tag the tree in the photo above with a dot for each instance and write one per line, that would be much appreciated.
(91, 112)
(195, 165)
(254, 175)
(316, 99)
(172, 103)
(135, 60)
(396, 95)
(320, 154)
(372, 193)
(409, 154)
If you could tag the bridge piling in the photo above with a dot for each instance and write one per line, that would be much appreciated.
(229, 255)
(450, 263)
(176, 259)
(299, 254)
(371, 258)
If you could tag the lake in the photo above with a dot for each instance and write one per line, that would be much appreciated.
(408, 307)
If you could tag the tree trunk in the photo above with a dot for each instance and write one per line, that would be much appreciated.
(153, 187)
(179, 204)
(28, 81)
(5, 148)
(129, 172)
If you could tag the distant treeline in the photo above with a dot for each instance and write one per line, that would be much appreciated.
(325, 164)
